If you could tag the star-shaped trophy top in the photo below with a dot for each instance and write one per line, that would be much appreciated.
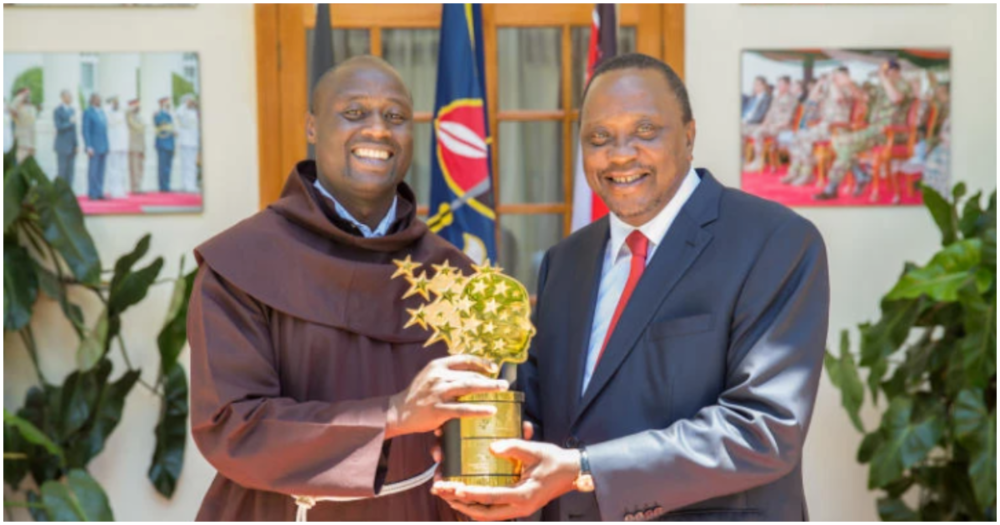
(485, 314)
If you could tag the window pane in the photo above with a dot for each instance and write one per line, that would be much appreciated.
(531, 162)
(581, 44)
(346, 44)
(529, 65)
(414, 52)
(523, 242)
(419, 176)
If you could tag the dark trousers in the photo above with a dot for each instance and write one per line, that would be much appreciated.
(95, 175)
(166, 159)
(67, 167)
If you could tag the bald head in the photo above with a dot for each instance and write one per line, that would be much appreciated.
(330, 82)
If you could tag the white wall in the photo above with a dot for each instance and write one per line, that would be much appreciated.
(223, 35)
(867, 246)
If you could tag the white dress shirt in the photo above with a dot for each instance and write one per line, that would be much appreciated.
(379, 231)
(617, 263)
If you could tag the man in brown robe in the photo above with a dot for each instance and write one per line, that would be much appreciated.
(304, 384)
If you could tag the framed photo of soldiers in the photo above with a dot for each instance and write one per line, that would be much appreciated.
(845, 127)
(122, 129)
(99, 4)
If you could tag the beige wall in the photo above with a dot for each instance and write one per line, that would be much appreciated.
(867, 246)
(223, 35)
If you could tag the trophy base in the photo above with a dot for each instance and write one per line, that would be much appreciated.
(466, 442)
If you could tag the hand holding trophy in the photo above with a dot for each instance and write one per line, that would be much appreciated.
(486, 314)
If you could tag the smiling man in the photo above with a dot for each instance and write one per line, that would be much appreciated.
(680, 339)
(307, 392)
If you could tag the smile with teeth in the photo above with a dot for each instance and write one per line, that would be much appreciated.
(371, 153)
(626, 179)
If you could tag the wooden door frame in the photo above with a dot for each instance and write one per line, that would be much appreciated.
(280, 35)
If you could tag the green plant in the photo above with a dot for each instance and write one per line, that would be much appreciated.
(181, 87)
(932, 355)
(31, 78)
(62, 427)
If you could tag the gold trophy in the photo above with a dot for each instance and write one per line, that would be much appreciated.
(485, 314)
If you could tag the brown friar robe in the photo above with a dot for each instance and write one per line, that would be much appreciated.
(297, 343)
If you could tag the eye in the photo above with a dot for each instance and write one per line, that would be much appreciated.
(395, 117)
(646, 129)
(599, 138)
(353, 113)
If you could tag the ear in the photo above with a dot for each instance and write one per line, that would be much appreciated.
(689, 133)
(310, 128)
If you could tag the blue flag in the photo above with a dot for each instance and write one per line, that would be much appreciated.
(461, 207)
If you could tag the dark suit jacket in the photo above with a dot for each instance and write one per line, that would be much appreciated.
(95, 130)
(699, 407)
(65, 130)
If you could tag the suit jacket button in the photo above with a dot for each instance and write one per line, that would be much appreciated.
(572, 442)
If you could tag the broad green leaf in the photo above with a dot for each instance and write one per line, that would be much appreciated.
(844, 375)
(906, 441)
(106, 415)
(869, 445)
(80, 394)
(14, 470)
(943, 213)
(132, 287)
(9, 159)
(31, 433)
(949, 270)
(171, 433)
(975, 426)
(173, 335)
(125, 263)
(35, 506)
(20, 285)
(42, 409)
(62, 226)
(972, 216)
(875, 375)
(978, 349)
(958, 192)
(80, 498)
(900, 486)
(882, 339)
(14, 190)
(893, 509)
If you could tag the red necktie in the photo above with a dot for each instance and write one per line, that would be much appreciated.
(638, 245)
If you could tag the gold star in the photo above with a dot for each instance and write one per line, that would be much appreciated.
(488, 328)
(442, 332)
(464, 304)
(498, 346)
(490, 306)
(471, 324)
(486, 268)
(478, 287)
(476, 347)
(417, 316)
(405, 267)
(448, 296)
(418, 285)
(441, 283)
(501, 288)
(446, 269)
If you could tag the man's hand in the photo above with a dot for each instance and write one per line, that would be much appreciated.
(430, 400)
(527, 431)
(547, 473)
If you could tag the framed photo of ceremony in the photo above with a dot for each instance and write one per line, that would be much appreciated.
(845, 127)
(122, 129)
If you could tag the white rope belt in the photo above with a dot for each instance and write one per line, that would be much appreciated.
(304, 503)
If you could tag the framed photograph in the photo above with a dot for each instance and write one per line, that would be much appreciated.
(845, 127)
(99, 4)
(122, 129)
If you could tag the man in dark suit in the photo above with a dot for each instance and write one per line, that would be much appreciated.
(95, 137)
(680, 339)
(65, 145)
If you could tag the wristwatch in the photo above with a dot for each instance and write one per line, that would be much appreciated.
(584, 481)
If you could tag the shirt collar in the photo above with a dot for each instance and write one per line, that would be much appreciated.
(657, 227)
(379, 231)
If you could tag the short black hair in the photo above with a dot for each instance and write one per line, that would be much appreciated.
(640, 61)
(786, 78)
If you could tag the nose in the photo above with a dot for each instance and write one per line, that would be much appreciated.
(622, 152)
(376, 128)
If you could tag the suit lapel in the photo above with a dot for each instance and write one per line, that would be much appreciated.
(683, 243)
(583, 303)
